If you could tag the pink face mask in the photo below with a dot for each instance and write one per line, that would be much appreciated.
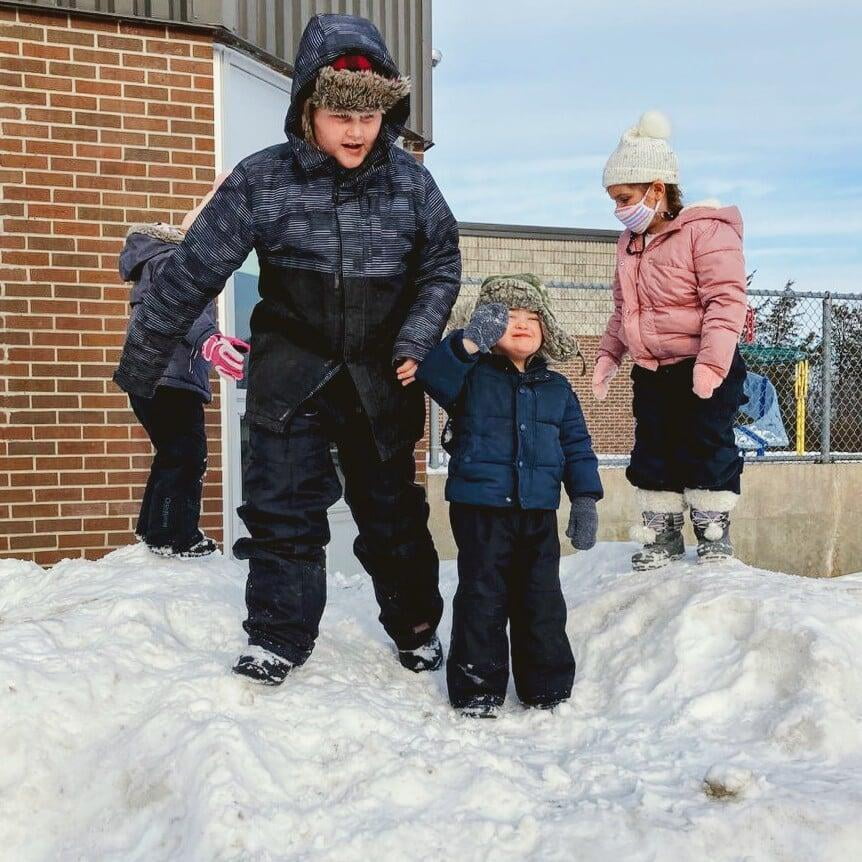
(637, 217)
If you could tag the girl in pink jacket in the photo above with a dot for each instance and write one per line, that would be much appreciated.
(679, 308)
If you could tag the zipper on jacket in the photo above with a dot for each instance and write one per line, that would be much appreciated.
(339, 272)
(330, 374)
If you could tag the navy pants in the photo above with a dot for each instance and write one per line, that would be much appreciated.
(508, 572)
(171, 505)
(682, 441)
(289, 483)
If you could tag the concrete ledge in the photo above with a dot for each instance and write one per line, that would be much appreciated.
(802, 519)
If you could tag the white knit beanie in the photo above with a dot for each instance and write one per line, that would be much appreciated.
(643, 154)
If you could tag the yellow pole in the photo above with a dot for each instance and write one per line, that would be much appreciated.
(801, 402)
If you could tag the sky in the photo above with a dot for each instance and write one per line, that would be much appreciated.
(764, 96)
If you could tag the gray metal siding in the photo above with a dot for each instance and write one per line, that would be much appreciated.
(275, 26)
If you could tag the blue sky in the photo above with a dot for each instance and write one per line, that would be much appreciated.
(765, 98)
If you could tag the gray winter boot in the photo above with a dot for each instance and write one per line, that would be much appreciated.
(710, 517)
(661, 533)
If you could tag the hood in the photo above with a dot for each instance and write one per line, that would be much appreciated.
(144, 242)
(327, 37)
(710, 209)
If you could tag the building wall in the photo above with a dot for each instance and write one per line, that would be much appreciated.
(102, 123)
(813, 534)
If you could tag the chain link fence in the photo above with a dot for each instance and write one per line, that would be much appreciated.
(803, 351)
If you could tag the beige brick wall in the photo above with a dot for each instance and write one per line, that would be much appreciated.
(103, 123)
(584, 312)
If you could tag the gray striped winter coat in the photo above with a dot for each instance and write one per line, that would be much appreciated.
(357, 268)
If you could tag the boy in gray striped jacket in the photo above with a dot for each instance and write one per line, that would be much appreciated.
(359, 269)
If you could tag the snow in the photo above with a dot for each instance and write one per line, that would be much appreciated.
(716, 715)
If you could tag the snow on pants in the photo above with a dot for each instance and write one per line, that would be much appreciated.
(171, 505)
(682, 441)
(508, 572)
(289, 482)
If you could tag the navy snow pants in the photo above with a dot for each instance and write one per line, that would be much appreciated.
(508, 572)
(289, 482)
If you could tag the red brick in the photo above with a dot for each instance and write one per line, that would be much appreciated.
(24, 64)
(110, 73)
(110, 136)
(44, 18)
(120, 43)
(50, 148)
(146, 124)
(74, 134)
(71, 37)
(86, 509)
(192, 97)
(81, 540)
(83, 103)
(42, 540)
(9, 46)
(143, 28)
(17, 31)
(101, 121)
(173, 49)
(35, 510)
(34, 480)
(58, 494)
(23, 97)
(43, 51)
(144, 61)
(96, 58)
(98, 88)
(194, 67)
(46, 82)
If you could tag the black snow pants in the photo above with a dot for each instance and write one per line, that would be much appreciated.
(171, 505)
(289, 483)
(682, 441)
(508, 572)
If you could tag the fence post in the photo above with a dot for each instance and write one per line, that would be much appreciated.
(434, 434)
(826, 385)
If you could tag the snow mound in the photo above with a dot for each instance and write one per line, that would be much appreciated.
(716, 715)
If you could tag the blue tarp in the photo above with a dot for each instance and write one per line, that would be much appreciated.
(766, 428)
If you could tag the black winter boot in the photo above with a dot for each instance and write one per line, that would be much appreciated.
(203, 547)
(428, 656)
(662, 540)
(263, 666)
(480, 707)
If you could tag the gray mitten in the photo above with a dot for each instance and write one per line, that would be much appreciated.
(583, 523)
(487, 325)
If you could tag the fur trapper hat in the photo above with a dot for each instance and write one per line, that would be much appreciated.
(524, 290)
(351, 85)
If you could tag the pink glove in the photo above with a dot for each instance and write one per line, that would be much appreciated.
(606, 370)
(226, 354)
(704, 381)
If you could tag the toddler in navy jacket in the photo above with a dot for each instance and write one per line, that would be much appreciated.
(517, 435)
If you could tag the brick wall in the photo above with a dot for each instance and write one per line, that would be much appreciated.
(102, 123)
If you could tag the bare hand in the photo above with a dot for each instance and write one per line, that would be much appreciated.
(406, 371)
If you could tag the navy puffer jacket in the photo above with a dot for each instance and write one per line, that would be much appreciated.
(516, 437)
(358, 267)
(148, 248)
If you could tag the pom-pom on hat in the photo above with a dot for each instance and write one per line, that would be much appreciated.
(643, 154)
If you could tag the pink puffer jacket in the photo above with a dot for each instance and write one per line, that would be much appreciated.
(684, 296)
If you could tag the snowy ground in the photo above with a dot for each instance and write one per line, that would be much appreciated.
(716, 716)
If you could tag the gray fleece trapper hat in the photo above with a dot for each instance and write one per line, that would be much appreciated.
(525, 290)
